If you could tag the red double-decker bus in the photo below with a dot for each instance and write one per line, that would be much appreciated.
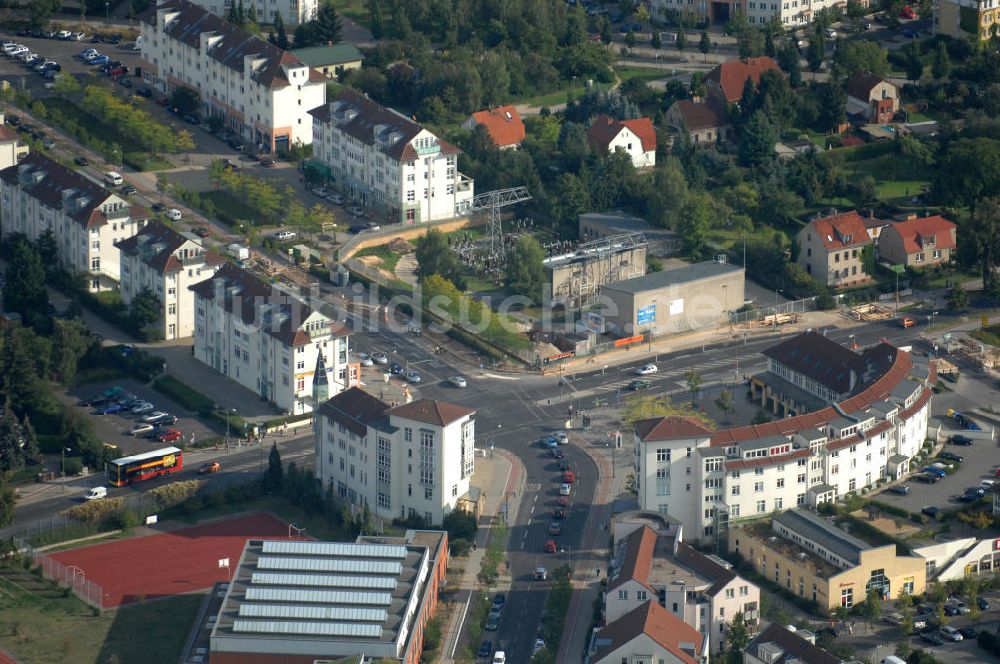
(138, 467)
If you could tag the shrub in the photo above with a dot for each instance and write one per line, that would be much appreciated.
(72, 466)
(175, 493)
(186, 396)
(95, 511)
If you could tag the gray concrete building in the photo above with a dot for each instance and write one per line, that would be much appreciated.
(599, 225)
(576, 277)
(678, 300)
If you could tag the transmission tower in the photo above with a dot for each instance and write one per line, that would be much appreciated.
(491, 202)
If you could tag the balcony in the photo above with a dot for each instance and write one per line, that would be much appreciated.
(464, 183)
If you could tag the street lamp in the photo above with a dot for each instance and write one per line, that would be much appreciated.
(229, 413)
(63, 451)
(107, 12)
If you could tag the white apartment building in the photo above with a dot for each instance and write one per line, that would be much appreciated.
(708, 479)
(262, 92)
(383, 159)
(651, 560)
(414, 459)
(167, 263)
(791, 12)
(292, 12)
(40, 194)
(266, 340)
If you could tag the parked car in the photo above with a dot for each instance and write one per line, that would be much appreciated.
(210, 467)
(951, 456)
(336, 199)
(110, 409)
(561, 436)
(646, 370)
(141, 429)
(267, 162)
(550, 546)
(142, 407)
(96, 493)
(493, 623)
(169, 435)
(959, 439)
(499, 600)
(396, 369)
(458, 381)
(540, 574)
(81, 161)
(899, 489)
(927, 478)
(200, 231)
(485, 649)
(967, 632)
(413, 377)
(321, 192)
(932, 639)
(564, 489)
(559, 513)
(639, 385)
(549, 442)
(831, 33)
(930, 510)
(356, 211)
(284, 236)
(555, 528)
(365, 360)
(380, 358)
(983, 603)
(950, 633)
(174, 214)
(539, 644)
(557, 454)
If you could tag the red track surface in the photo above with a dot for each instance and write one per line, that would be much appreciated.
(169, 563)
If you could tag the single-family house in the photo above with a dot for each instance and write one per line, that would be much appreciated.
(830, 249)
(503, 124)
(871, 98)
(636, 138)
(704, 120)
(918, 241)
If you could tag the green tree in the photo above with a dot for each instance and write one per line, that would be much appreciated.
(235, 13)
(904, 605)
(24, 291)
(694, 381)
(873, 607)
(326, 27)
(832, 103)
(376, 19)
(941, 67)
(47, 250)
(434, 256)
(40, 11)
(868, 259)
(605, 31)
(913, 65)
(655, 41)
(145, 309)
(816, 52)
(855, 56)
(682, 41)
(7, 501)
(280, 36)
(704, 44)
(725, 403)
(67, 84)
(70, 343)
(630, 40)
(275, 475)
(958, 299)
(970, 588)
(757, 142)
(460, 525)
(968, 172)
(738, 639)
(980, 245)
(525, 273)
(694, 224)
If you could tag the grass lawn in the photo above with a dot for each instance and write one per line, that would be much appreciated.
(644, 73)
(389, 258)
(989, 335)
(42, 626)
(569, 91)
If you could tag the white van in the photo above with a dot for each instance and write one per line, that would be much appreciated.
(499, 657)
(238, 251)
(96, 493)
(114, 179)
(892, 659)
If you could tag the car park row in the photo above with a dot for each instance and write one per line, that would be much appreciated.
(149, 422)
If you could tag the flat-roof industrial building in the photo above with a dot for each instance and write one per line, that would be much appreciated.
(299, 601)
(678, 300)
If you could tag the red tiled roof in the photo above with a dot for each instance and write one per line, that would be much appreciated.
(156, 244)
(877, 391)
(743, 464)
(670, 428)
(637, 559)
(731, 76)
(604, 129)
(660, 625)
(429, 411)
(835, 230)
(503, 124)
(355, 409)
(915, 231)
(7, 134)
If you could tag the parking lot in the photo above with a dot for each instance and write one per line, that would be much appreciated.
(113, 428)
(62, 52)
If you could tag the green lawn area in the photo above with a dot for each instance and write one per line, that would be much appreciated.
(644, 73)
(42, 626)
(989, 335)
(560, 96)
(389, 258)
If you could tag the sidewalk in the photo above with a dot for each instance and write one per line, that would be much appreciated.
(496, 477)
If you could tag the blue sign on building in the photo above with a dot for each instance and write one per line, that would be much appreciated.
(646, 315)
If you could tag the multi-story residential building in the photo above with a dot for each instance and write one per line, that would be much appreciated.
(40, 194)
(636, 138)
(725, 82)
(709, 479)
(413, 459)
(779, 645)
(819, 561)
(652, 562)
(830, 249)
(266, 340)
(872, 98)
(292, 12)
(383, 159)
(918, 241)
(962, 19)
(261, 92)
(166, 263)
(11, 149)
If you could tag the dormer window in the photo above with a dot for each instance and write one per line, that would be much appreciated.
(848, 239)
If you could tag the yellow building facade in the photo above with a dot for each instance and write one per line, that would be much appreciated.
(961, 19)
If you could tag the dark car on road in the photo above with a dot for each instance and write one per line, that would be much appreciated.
(931, 638)
(639, 385)
(485, 649)
(396, 369)
(967, 632)
(930, 510)
(951, 456)
(267, 162)
(899, 489)
(959, 439)
(81, 161)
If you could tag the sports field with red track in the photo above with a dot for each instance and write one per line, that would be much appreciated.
(169, 563)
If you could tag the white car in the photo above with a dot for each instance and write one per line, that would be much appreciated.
(413, 377)
(142, 407)
(355, 210)
(380, 358)
(950, 633)
(365, 359)
(174, 214)
(24, 55)
(284, 236)
(564, 489)
(7, 47)
(561, 436)
(141, 429)
(321, 192)
(336, 199)
(91, 55)
(646, 370)
(458, 381)
(831, 33)
(18, 51)
(539, 644)
(155, 415)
